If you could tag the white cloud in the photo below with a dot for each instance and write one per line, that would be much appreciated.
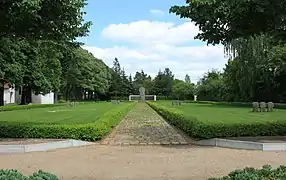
(157, 12)
(157, 45)
(155, 32)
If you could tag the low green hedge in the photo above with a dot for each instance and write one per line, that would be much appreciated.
(16, 175)
(25, 107)
(200, 130)
(88, 132)
(236, 104)
(249, 173)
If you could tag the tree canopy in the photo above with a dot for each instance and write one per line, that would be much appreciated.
(222, 21)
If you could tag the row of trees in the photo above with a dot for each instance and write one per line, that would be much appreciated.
(253, 33)
(164, 84)
(38, 51)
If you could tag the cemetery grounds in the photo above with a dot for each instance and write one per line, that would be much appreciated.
(142, 145)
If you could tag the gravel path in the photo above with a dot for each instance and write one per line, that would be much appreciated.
(142, 125)
(101, 162)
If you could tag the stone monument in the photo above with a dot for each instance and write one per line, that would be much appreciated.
(142, 93)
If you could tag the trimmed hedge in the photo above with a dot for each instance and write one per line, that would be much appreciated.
(25, 107)
(88, 132)
(236, 104)
(16, 175)
(200, 130)
(267, 172)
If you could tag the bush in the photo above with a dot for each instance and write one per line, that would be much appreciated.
(88, 132)
(236, 104)
(14, 174)
(25, 107)
(200, 130)
(250, 173)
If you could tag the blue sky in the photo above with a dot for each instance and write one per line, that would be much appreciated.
(142, 33)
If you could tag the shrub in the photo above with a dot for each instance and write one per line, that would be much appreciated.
(25, 107)
(267, 172)
(14, 174)
(88, 132)
(200, 130)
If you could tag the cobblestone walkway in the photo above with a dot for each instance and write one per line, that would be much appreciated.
(143, 126)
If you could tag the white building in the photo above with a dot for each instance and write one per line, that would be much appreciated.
(9, 94)
(12, 96)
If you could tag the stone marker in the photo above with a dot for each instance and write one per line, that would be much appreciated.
(270, 106)
(255, 106)
(262, 106)
(142, 93)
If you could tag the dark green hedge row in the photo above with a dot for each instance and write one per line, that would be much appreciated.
(25, 107)
(16, 175)
(88, 132)
(197, 129)
(267, 172)
(236, 104)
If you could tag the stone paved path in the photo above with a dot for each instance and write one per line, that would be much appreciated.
(143, 126)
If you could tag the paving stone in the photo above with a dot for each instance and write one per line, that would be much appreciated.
(142, 126)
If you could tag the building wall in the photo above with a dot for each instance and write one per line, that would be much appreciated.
(48, 98)
(36, 99)
(43, 99)
(9, 95)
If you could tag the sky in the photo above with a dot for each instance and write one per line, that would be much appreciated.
(144, 36)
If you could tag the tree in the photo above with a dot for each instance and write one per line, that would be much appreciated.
(46, 21)
(116, 83)
(182, 90)
(187, 79)
(222, 21)
(43, 19)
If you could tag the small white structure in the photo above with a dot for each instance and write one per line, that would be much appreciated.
(195, 97)
(43, 99)
(9, 94)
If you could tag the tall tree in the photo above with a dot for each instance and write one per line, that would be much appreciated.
(116, 83)
(44, 20)
(187, 79)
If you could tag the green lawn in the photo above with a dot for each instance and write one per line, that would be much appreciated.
(210, 113)
(79, 114)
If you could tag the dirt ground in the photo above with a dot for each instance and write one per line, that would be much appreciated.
(102, 162)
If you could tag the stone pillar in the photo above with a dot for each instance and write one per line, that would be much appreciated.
(154, 97)
(129, 97)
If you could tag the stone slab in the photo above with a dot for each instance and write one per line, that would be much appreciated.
(239, 144)
(11, 149)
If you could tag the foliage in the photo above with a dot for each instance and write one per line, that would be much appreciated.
(182, 90)
(43, 19)
(195, 127)
(221, 21)
(253, 34)
(14, 174)
(89, 132)
(267, 172)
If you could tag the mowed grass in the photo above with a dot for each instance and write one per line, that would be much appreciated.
(79, 114)
(218, 114)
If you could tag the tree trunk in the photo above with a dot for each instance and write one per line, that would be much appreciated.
(1, 93)
(26, 97)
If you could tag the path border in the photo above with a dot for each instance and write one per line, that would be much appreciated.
(239, 144)
(24, 148)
